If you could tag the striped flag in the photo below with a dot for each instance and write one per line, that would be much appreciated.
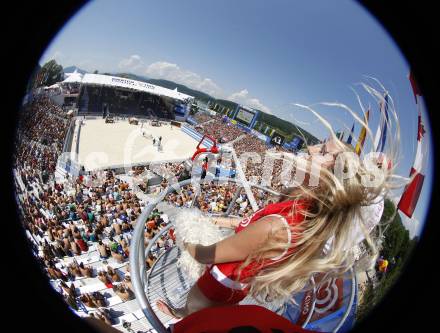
(381, 133)
(410, 196)
(350, 137)
(362, 135)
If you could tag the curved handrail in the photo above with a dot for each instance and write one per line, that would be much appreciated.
(350, 303)
(137, 263)
(312, 307)
(151, 243)
(138, 253)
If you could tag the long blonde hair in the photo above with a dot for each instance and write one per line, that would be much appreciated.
(336, 205)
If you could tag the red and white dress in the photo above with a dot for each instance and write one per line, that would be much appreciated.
(220, 282)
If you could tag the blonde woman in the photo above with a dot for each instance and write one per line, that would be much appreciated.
(310, 232)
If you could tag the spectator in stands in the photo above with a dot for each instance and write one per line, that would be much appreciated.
(74, 270)
(150, 261)
(104, 250)
(103, 277)
(85, 271)
(88, 301)
(127, 282)
(204, 168)
(68, 290)
(113, 274)
(117, 256)
(117, 228)
(150, 223)
(74, 246)
(123, 292)
(99, 299)
(82, 245)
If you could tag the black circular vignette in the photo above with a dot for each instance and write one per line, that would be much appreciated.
(406, 306)
(29, 28)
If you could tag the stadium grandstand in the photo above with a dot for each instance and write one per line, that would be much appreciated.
(80, 198)
(103, 94)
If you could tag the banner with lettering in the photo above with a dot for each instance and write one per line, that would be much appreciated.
(332, 306)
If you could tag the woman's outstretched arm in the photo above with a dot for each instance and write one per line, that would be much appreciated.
(240, 245)
(226, 222)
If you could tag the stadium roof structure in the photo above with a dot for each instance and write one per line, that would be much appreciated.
(73, 77)
(118, 82)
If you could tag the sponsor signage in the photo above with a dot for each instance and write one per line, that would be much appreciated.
(277, 139)
(132, 83)
(332, 305)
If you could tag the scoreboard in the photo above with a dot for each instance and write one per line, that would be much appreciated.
(245, 115)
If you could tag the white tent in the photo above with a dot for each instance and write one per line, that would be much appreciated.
(73, 77)
(53, 86)
(112, 81)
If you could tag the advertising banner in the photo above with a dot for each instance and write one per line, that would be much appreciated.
(277, 139)
(332, 306)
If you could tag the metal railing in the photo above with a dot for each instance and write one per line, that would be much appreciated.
(138, 253)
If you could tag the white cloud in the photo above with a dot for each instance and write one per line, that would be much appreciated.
(133, 63)
(86, 65)
(59, 57)
(242, 97)
(413, 225)
(172, 72)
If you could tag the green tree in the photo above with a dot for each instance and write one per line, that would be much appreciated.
(398, 245)
(95, 71)
(396, 236)
(50, 73)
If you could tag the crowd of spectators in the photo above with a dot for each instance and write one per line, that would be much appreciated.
(98, 212)
(215, 198)
(254, 170)
(201, 117)
(182, 198)
(221, 131)
(66, 224)
(42, 129)
(44, 122)
(225, 132)
(170, 170)
(69, 225)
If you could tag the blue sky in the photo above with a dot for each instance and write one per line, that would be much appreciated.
(265, 54)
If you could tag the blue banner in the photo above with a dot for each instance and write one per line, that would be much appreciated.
(331, 307)
(191, 120)
(180, 109)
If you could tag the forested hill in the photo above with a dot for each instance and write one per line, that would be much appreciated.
(280, 125)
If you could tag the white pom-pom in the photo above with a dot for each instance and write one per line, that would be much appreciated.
(192, 227)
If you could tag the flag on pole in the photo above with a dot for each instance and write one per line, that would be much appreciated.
(381, 133)
(340, 135)
(410, 196)
(362, 135)
(350, 137)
